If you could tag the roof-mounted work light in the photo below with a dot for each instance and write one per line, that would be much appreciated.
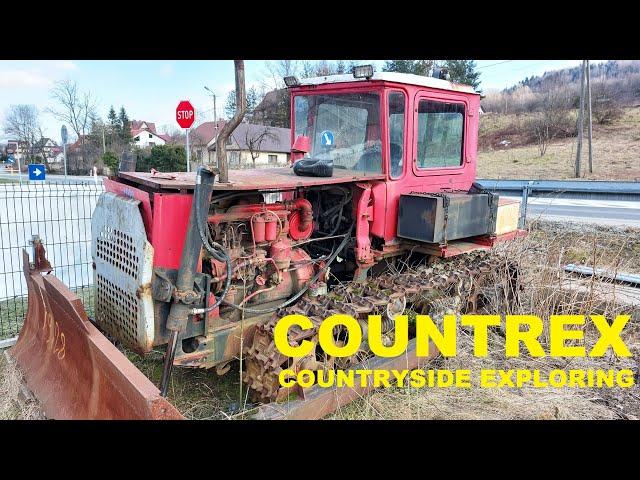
(363, 71)
(291, 81)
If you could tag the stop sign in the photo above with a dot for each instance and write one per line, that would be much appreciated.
(185, 114)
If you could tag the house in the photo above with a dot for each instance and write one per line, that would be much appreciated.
(144, 134)
(201, 138)
(47, 147)
(249, 144)
(16, 148)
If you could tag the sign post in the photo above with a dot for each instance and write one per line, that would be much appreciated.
(185, 116)
(12, 160)
(63, 134)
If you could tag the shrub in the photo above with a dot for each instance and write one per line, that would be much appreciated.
(111, 161)
(164, 158)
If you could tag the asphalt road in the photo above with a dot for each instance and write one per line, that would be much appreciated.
(602, 212)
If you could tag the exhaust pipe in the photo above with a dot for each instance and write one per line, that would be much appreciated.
(184, 296)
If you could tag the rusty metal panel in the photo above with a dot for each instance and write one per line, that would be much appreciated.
(73, 370)
(444, 217)
(123, 261)
(281, 178)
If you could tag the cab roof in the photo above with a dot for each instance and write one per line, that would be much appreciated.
(406, 78)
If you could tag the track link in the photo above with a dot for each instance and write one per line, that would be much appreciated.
(444, 286)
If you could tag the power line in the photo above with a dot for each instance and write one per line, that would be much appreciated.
(494, 64)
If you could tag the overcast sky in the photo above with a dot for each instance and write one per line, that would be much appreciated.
(150, 89)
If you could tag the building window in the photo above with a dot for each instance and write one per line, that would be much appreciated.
(273, 159)
(137, 139)
(199, 154)
(440, 133)
(152, 144)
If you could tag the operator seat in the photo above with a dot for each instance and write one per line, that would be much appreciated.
(371, 160)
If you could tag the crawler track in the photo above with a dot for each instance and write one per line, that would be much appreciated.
(444, 286)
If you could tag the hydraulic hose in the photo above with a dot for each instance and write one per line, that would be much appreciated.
(288, 302)
(214, 249)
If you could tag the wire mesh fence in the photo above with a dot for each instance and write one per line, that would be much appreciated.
(60, 214)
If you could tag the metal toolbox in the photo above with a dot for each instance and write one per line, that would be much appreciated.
(438, 218)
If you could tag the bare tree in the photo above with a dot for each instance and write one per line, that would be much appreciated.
(255, 140)
(606, 106)
(76, 108)
(277, 70)
(22, 121)
(552, 119)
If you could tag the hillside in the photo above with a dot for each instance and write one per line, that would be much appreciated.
(616, 150)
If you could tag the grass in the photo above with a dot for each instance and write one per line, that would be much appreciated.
(8, 180)
(549, 245)
(201, 394)
(13, 310)
(616, 151)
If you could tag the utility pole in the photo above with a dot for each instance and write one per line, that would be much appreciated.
(215, 116)
(589, 114)
(104, 144)
(580, 122)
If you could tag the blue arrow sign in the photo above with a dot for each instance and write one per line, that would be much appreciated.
(326, 138)
(10, 159)
(36, 172)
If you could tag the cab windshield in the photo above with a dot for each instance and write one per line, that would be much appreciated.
(343, 127)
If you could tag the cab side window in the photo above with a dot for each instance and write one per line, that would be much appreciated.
(440, 134)
(396, 133)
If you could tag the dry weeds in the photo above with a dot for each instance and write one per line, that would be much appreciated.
(616, 151)
(202, 395)
(547, 289)
(12, 407)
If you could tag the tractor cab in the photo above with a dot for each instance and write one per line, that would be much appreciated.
(419, 133)
(404, 126)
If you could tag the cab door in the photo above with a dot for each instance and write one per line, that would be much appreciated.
(443, 133)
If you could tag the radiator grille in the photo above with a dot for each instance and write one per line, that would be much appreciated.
(123, 268)
(118, 249)
(117, 311)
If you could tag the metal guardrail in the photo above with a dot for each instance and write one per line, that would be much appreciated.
(587, 190)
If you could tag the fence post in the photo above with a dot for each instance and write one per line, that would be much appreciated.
(522, 222)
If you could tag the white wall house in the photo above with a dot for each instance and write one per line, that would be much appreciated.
(144, 134)
(268, 146)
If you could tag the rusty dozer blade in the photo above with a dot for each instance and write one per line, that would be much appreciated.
(74, 371)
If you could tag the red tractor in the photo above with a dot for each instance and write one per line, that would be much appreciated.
(206, 268)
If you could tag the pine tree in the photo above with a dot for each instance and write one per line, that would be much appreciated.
(114, 125)
(417, 67)
(125, 126)
(464, 71)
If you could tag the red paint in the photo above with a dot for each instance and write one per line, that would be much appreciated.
(137, 194)
(170, 221)
(258, 228)
(491, 241)
(386, 194)
(363, 215)
(301, 144)
(270, 227)
(185, 114)
(281, 252)
(301, 221)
